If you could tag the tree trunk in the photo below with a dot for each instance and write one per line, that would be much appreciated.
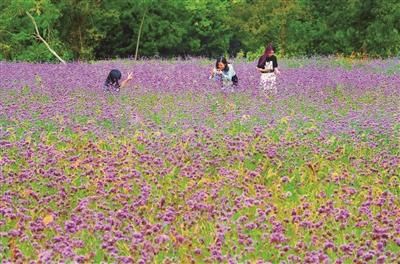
(139, 34)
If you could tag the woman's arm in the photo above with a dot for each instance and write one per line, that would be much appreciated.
(214, 72)
(263, 70)
(275, 65)
(124, 82)
(266, 70)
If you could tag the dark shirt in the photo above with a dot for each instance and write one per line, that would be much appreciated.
(111, 87)
(268, 63)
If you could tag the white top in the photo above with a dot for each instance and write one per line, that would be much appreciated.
(226, 76)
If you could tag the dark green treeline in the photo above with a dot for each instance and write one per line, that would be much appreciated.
(96, 29)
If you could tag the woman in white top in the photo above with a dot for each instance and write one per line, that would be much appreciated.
(224, 73)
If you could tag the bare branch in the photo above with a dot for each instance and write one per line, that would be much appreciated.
(139, 34)
(42, 39)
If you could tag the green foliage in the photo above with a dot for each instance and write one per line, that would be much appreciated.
(382, 35)
(17, 31)
(89, 30)
(254, 55)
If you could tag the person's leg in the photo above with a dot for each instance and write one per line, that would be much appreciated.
(274, 89)
(263, 82)
(270, 84)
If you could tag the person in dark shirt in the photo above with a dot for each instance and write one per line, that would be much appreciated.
(112, 82)
(268, 67)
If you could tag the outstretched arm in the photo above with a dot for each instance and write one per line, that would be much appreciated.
(125, 82)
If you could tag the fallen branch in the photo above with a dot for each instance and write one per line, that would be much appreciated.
(42, 39)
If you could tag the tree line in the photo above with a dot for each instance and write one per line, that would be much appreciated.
(96, 29)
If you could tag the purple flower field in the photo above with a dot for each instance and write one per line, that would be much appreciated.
(173, 169)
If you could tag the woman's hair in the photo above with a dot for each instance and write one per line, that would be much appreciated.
(268, 49)
(113, 77)
(264, 57)
(224, 61)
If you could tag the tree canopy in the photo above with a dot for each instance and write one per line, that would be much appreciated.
(95, 29)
